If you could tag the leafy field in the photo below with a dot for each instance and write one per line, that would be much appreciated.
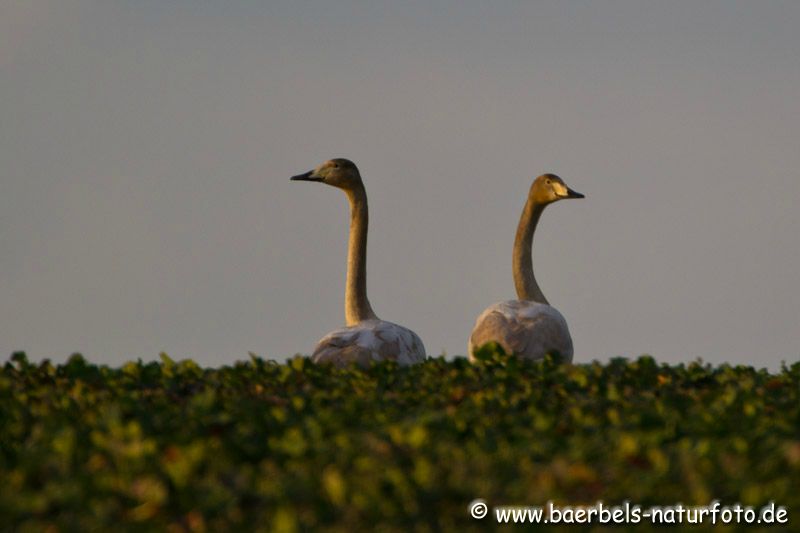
(256, 446)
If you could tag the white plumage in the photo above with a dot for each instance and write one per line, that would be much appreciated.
(365, 337)
(528, 329)
(370, 340)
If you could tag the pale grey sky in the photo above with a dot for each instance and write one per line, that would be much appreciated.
(146, 148)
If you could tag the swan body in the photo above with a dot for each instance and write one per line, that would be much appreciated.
(528, 329)
(365, 337)
(370, 340)
(529, 326)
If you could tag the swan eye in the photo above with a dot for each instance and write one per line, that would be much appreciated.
(549, 182)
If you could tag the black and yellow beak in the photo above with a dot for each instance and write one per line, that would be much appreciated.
(574, 194)
(306, 176)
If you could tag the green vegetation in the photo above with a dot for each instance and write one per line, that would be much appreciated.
(256, 446)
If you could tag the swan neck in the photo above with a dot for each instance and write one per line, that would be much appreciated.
(356, 305)
(524, 280)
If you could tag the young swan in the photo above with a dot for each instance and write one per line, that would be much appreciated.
(529, 326)
(365, 338)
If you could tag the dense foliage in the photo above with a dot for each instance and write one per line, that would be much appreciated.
(171, 446)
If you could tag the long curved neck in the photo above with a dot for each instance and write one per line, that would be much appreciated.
(524, 281)
(356, 305)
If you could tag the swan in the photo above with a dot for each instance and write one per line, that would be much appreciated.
(365, 337)
(529, 327)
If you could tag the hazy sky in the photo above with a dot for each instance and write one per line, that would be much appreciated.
(146, 148)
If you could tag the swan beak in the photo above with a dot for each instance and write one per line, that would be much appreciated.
(306, 176)
(570, 193)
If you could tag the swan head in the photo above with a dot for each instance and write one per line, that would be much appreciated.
(549, 188)
(339, 172)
